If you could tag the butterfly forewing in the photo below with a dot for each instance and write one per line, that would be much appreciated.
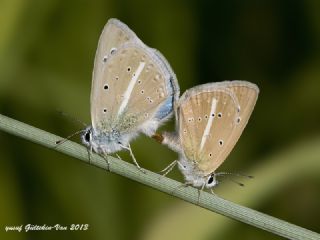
(114, 35)
(133, 87)
(211, 120)
(202, 115)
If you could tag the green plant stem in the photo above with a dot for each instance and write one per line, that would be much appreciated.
(156, 181)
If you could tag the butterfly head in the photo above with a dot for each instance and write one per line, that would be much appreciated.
(203, 181)
(195, 177)
(104, 142)
(211, 181)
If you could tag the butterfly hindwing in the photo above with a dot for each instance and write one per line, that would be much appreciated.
(211, 120)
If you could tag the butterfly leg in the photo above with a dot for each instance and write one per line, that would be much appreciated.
(89, 154)
(105, 157)
(199, 192)
(135, 160)
(168, 168)
(119, 157)
(212, 192)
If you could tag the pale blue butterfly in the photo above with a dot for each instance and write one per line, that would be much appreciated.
(133, 90)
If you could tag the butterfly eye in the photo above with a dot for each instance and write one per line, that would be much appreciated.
(210, 180)
(87, 136)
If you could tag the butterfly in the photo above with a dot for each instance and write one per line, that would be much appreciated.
(133, 91)
(210, 119)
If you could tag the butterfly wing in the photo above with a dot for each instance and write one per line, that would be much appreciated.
(133, 85)
(136, 88)
(114, 34)
(211, 120)
(155, 91)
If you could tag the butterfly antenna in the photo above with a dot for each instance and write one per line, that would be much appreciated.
(236, 182)
(61, 141)
(229, 177)
(68, 116)
(233, 174)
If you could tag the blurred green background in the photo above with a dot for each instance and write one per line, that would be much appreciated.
(46, 58)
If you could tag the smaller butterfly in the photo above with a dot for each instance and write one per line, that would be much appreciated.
(210, 119)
